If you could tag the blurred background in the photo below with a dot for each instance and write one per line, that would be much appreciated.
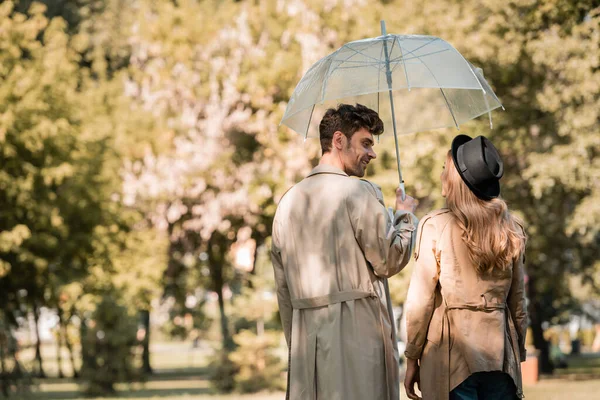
(141, 161)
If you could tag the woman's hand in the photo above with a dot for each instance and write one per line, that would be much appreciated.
(412, 377)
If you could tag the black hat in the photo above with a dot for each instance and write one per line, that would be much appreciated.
(478, 164)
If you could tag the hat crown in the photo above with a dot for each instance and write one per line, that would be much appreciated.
(479, 165)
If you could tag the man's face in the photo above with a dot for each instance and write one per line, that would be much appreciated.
(358, 152)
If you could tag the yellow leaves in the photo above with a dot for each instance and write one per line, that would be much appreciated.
(55, 219)
(37, 8)
(40, 264)
(57, 175)
(81, 42)
(6, 8)
(9, 240)
(5, 268)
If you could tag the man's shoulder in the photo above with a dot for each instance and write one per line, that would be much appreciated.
(372, 188)
(285, 194)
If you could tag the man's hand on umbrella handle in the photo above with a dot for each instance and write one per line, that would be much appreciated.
(406, 204)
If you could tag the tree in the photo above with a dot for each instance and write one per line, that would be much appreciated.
(219, 172)
(50, 211)
(62, 123)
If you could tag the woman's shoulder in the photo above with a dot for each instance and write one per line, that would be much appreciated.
(431, 227)
(442, 215)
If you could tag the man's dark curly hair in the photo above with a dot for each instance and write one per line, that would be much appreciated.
(348, 119)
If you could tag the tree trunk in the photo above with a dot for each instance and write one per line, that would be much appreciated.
(38, 352)
(227, 341)
(69, 345)
(145, 317)
(60, 339)
(59, 354)
(540, 343)
(86, 359)
(3, 371)
(217, 248)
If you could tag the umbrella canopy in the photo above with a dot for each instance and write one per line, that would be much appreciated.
(422, 82)
(433, 85)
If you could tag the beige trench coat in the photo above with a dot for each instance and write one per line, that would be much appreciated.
(458, 322)
(334, 245)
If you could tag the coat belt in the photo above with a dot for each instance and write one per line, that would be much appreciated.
(341, 297)
(476, 306)
(332, 298)
(479, 307)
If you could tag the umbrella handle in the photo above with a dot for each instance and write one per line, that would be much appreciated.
(401, 186)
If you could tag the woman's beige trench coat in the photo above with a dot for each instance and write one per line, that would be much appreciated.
(457, 322)
(334, 245)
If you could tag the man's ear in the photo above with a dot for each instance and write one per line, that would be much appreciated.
(339, 140)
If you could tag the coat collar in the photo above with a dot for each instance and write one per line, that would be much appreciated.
(326, 169)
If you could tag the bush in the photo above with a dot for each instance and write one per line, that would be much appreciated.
(259, 368)
(253, 365)
(223, 372)
(108, 339)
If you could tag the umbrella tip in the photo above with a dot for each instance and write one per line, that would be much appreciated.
(383, 30)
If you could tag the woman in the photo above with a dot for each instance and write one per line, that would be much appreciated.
(465, 312)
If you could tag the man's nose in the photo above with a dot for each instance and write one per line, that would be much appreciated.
(372, 154)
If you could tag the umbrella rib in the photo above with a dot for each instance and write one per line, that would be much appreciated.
(379, 77)
(404, 63)
(443, 94)
(308, 125)
(359, 52)
(324, 87)
(360, 62)
(355, 53)
(339, 66)
(396, 60)
(375, 61)
(471, 69)
(487, 105)
(378, 85)
(420, 47)
(482, 89)
(449, 108)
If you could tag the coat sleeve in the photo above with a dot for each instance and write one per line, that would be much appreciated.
(283, 292)
(517, 303)
(420, 300)
(385, 239)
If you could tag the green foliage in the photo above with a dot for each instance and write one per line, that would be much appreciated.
(62, 122)
(14, 377)
(107, 346)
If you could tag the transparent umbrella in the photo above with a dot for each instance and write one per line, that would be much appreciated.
(418, 82)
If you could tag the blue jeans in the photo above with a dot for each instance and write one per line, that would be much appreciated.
(494, 385)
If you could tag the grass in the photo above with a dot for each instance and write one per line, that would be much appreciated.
(198, 389)
(182, 375)
(561, 389)
(583, 365)
(190, 388)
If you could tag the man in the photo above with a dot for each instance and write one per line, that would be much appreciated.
(334, 245)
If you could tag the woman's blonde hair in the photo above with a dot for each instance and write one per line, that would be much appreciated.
(494, 237)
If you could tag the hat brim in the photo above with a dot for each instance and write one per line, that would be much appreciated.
(490, 191)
